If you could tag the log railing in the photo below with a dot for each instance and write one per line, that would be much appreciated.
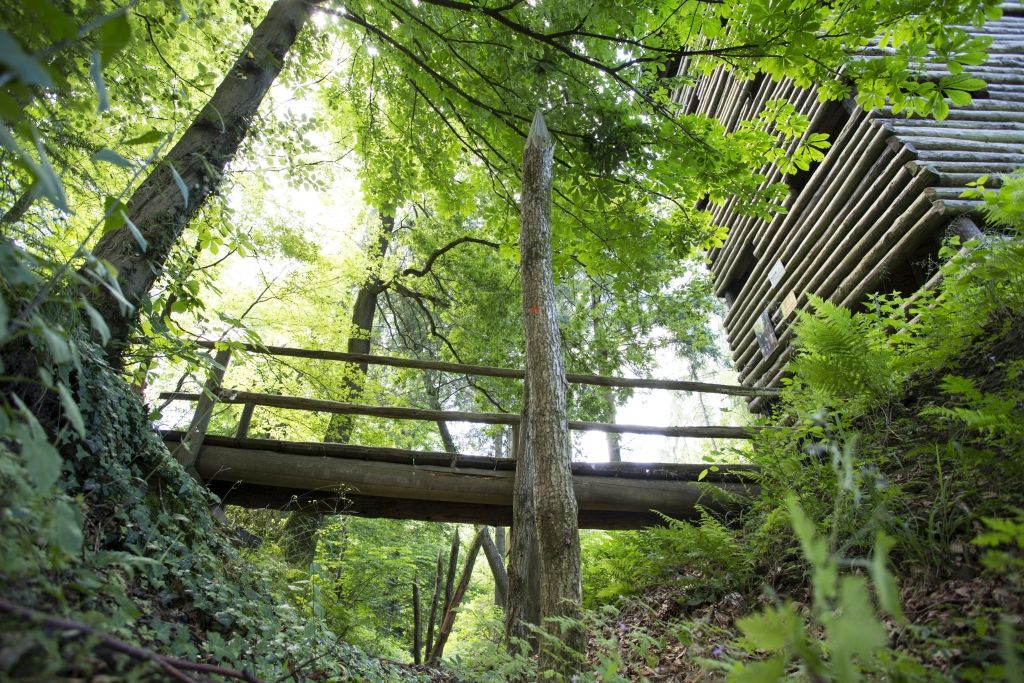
(187, 451)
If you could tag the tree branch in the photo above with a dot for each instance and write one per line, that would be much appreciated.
(437, 253)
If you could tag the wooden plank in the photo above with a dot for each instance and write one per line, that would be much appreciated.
(488, 371)
(401, 413)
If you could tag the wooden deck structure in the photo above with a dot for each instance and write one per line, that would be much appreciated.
(397, 483)
(871, 216)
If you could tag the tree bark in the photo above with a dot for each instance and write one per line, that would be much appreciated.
(157, 207)
(522, 608)
(546, 423)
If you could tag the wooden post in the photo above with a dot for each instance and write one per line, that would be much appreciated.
(546, 434)
(242, 431)
(187, 452)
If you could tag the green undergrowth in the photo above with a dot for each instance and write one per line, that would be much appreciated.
(888, 539)
(102, 527)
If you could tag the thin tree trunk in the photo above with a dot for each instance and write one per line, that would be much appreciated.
(453, 562)
(302, 528)
(435, 602)
(417, 622)
(497, 565)
(361, 330)
(434, 399)
(157, 207)
(18, 208)
(546, 427)
(453, 604)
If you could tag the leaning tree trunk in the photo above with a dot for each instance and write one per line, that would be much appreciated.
(158, 208)
(547, 428)
(302, 527)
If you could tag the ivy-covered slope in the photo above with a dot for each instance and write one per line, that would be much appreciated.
(110, 555)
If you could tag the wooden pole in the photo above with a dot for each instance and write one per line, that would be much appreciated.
(187, 452)
(401, 413)
(546, 426)
(488, 371)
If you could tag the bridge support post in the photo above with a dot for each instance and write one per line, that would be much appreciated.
(187, 452)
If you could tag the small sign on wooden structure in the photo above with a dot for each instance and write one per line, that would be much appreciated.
(776, 273)
(764, 331)
(789, 304)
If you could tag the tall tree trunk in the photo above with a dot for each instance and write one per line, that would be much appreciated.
(547, 428)
(157, 207)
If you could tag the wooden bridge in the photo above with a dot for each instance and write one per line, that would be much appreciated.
(437, 486)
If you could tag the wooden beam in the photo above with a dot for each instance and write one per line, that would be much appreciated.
(433, 484)
(282, 499)
(488, 371)
(621, 470)
(400, 413)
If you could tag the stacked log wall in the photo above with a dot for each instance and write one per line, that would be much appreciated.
(886, 193)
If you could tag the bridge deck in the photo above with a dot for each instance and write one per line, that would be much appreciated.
(388, 482)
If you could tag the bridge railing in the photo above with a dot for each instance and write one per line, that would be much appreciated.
(213, 393)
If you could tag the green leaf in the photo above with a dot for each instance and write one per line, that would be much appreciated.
(59, 25)
(959, 98)
(182, 188)
(111, 157)
(768, 671)
(147, 137)
(113, 215)
(115, 33)
(143, 244)
(771, 630)
(96, 71)
(4, 317)
(25, 67)
(855, 630)
(72, 413)
(885, 583)
(42, 461)
(67, 527)
(99, 325)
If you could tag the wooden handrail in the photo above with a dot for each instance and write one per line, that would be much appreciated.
(490, 371)
(401, 413)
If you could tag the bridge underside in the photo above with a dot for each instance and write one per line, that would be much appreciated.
(393, 483)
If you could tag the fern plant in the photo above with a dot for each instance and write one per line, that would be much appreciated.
(843, 358)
